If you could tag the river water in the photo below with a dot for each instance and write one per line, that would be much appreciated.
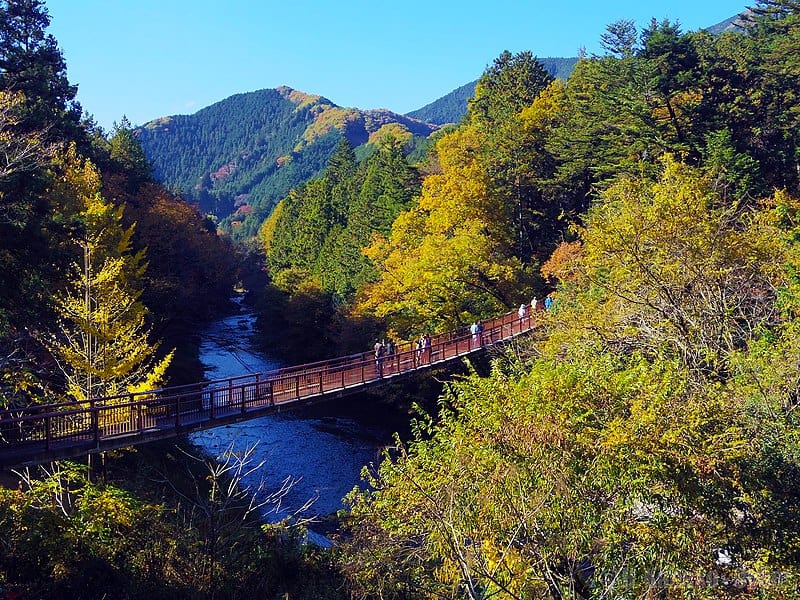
(322, 455)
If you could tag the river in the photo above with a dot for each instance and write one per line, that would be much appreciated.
(322, 454)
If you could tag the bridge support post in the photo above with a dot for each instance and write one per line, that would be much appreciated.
(95, 420)
(138, 409)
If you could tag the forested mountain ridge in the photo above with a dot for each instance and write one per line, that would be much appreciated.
(732, 23)
(451, 107)
(237, 158)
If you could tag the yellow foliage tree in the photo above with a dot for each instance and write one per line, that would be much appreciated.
(451, 256)
(642, 449)
(675, 269)
(266, 232)
(102, 342)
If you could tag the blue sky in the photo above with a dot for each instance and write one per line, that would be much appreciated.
(153, 58)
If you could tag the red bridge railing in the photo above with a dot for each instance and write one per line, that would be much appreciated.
(62, 430)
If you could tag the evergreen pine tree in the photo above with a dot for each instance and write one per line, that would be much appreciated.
(31, 62)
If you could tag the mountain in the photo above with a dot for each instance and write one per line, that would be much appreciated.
(734, 23)
(237, 158)
(451, 107)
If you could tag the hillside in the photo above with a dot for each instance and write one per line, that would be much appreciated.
(237, 158)
(734, 23)
(451, 107)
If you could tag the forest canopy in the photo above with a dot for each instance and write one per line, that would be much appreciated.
(641, 443)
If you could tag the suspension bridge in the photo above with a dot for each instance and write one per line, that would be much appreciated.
(41, 433)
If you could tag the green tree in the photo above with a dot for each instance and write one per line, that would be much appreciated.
(507, 86)
(384, 186)
(32, 63)
(340, 173)
(670, 63)
(127, 155)
(620, 39)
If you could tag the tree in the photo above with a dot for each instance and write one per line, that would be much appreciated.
(22, 217)
(620, 39)
(670, 61)
(103, 347)
(507, 86)
(20, 153)
(450, 257)
(774, 13)
(510, 85)
(102, 344)
(639, 448)
(682, 272)
(340, 173)
(32, 63)
(383, 187)
(127, 155)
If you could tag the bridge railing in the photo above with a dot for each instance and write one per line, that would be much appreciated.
(177, 408)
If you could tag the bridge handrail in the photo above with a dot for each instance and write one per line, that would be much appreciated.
(82, 406)
(306, 368)
(49, 429)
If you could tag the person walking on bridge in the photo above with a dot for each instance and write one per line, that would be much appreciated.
(379, 352)
(389, 350)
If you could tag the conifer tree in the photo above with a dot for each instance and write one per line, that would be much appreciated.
(127, 154)
(31, 62)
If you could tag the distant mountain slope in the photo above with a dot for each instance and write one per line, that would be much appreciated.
(451, 107)
(237, 158)
(447, 109)
(734, 23)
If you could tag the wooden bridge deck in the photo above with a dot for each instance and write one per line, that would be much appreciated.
(38, 434)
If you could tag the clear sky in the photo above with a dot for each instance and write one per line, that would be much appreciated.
(152, 58)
